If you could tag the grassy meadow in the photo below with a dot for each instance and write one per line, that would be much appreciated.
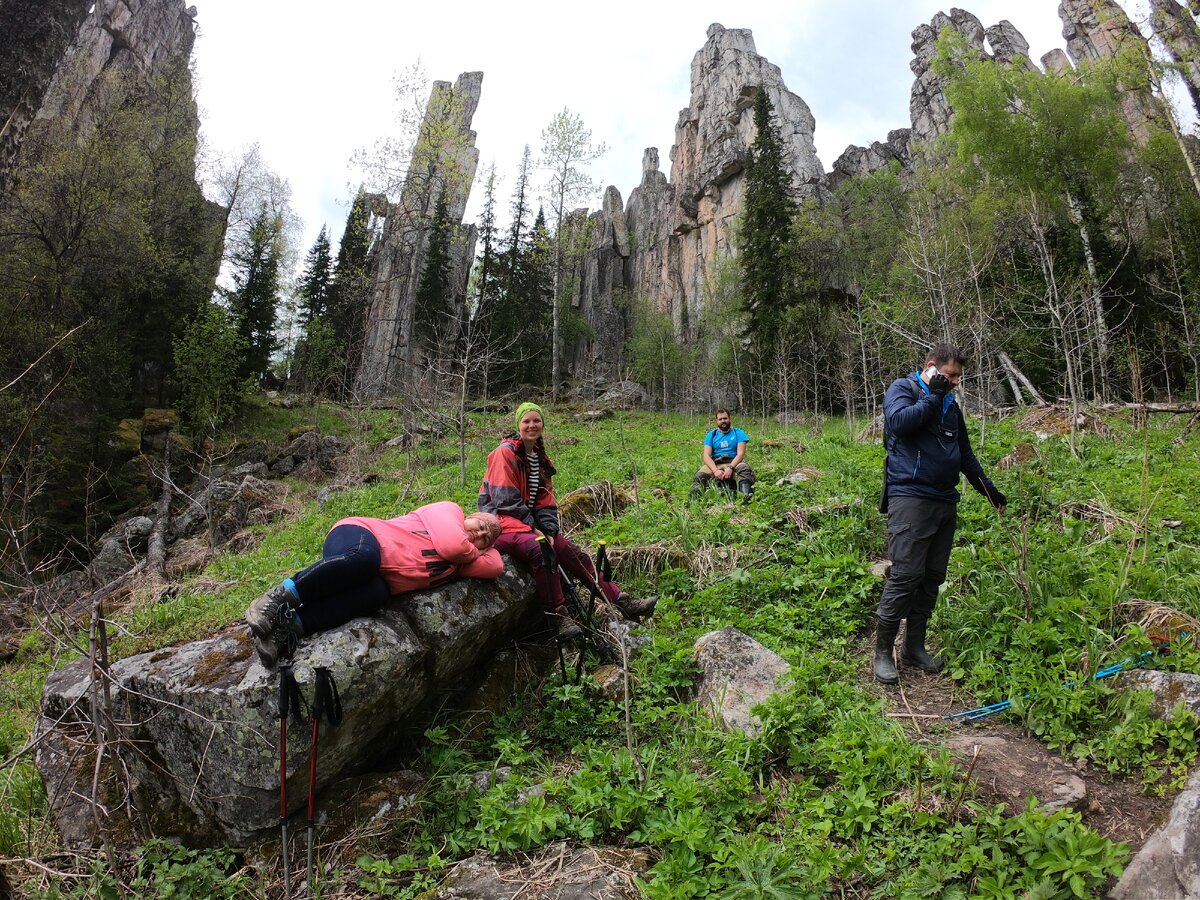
(833, 798)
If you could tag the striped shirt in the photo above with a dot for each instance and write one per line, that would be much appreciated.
(533, 477)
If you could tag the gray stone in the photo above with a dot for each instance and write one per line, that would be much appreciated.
(625, 394)
(556, 872)
(881, 568)
(1168, 865)
(137, 532)
(737, 673)
(196, 726)
(1169, 689)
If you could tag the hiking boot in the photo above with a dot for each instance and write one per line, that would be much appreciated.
(747, 490)
(265, 613)
(281, 642)
(914, 652)
(633, 608)
(883, 662)
(566, 628)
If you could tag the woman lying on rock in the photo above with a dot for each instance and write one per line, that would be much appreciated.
(364, 562)
(517, 488)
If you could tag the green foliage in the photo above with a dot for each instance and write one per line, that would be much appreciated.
(208, 358)
(830, 795)
(255, 296)
(161, 869)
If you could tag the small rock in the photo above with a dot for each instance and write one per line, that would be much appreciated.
(737, 673)
(881, 568)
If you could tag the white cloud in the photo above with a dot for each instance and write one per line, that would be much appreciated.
(312, 82)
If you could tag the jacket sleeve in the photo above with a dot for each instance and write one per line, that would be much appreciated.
(444, 522)
(489, 565)
(500, 493)
(970, 463)
(904, 415)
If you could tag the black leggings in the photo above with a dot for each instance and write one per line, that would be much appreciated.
(345, 584)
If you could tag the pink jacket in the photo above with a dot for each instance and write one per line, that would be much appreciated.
(427, 546)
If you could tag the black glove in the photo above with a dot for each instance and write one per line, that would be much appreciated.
(939, 384)
(996, 497)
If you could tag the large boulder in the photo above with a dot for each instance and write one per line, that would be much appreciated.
(1168, 865)
(196, 732)
(737, 674)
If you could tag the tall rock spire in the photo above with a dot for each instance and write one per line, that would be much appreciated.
(444, 160)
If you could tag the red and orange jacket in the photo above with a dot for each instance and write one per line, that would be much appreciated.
(505, 486)
(427, 546)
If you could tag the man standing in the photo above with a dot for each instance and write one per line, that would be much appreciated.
(725, 460)
(925, 437)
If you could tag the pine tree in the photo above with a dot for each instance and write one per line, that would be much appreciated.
(256, 292)
(313, 290)
(766, 224)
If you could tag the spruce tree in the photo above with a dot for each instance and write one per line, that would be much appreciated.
(256, 292)
(313, 290)
(766, 224)
(350, 288)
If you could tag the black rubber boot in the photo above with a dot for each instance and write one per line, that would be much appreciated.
(914, 652)
(747, 490)
(883, 662)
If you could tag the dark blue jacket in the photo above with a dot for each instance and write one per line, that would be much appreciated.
(927, 444)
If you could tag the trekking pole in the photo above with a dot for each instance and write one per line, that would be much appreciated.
(601, 647)
(980, 712)
(550, 565)
(327, 702)
(290, 702)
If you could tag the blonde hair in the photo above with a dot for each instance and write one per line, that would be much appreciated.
(490, 523)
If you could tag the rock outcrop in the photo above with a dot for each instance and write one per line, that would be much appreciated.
(928, 107)
(54, 54)
(1099, 29)
(860, 161)
(1177, 28)
(195, 728)
(1168, 865)
(443, 165)
(34, 36)
(664, 247)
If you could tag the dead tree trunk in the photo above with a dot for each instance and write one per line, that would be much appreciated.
(1016, 374)
(156, 553)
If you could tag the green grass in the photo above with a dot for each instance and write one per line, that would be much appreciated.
(825, 800)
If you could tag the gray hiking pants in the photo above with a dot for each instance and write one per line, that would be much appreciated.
(920, 537)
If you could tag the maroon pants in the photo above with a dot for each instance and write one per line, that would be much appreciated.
(525, 547)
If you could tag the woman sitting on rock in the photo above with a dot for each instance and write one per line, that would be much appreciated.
(364, 562)
(517, 487)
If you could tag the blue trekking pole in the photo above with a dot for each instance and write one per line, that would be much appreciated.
(980, 712)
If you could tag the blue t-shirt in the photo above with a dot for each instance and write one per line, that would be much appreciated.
(724, 446)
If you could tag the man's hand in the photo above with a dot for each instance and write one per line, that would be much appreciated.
(939, 384)
(724, 473)
(998, 500)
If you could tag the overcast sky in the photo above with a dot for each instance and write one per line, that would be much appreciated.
(311, 82)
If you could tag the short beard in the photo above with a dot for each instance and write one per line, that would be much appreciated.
(725, 429)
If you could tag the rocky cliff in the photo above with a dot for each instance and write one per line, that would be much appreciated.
(1177, 27)
(444, 160)
(34, 36)
(53, 56)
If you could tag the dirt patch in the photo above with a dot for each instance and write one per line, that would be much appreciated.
(1117, 808)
